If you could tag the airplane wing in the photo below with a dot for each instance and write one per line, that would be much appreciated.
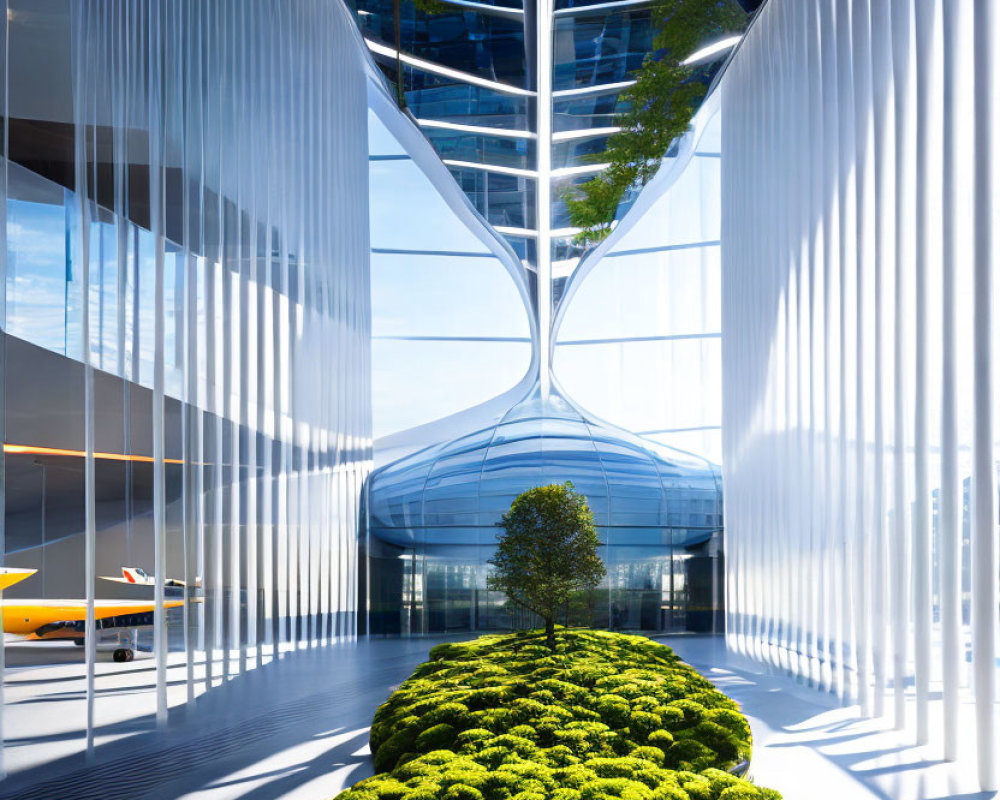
(136, 576)
(9, 576)
(171, 583)
(64, 619)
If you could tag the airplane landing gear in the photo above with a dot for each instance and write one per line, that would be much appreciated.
(123, 654)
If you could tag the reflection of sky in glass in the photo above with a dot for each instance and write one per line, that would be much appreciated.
(454, 493)
(647, 318)
(646, 294)
(419, 295)
(380, 141)
(36, 273)
(407, 212)
(104, 297)
(43, 289)
(416, 382)
(449, 327)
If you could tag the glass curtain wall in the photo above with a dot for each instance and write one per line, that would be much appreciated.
(517, 99)
(643, 309)
(464, 74)
(450, 324)
(860, 273)
(186, 350)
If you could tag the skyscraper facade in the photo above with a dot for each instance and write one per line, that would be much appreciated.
(519, 100)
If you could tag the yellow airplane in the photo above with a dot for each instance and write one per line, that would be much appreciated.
(9, 576)
(35, 620)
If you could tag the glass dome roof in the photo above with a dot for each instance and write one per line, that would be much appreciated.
(455, 493)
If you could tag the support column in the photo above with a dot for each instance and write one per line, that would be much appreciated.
(950, 499)
(543, 202)
(983, 500)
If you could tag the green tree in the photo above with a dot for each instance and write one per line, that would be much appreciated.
(657, 109)
(593, 204)
(547, 552)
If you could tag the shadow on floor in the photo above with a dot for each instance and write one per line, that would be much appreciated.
(297, 720)
(806, 739)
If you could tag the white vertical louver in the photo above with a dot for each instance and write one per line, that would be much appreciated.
(231, 138)
(860, 268)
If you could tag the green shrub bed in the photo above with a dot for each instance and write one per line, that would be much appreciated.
(604, 717)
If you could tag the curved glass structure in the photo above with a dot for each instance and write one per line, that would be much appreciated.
(432, 523)
(517, 102)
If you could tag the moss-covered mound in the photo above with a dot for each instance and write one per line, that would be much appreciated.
(604, 717)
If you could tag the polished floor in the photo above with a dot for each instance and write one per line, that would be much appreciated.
(298, 728)
(294, 728)
(809, 747)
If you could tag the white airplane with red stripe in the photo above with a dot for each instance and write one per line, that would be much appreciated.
(137, 576)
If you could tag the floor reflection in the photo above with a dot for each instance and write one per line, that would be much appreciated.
(809, 747)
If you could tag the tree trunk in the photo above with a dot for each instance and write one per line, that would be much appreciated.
(550, 633)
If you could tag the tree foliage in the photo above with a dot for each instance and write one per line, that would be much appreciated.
(434, 7)
(547, 552)
(658, 109)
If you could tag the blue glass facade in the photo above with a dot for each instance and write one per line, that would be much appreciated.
(431, 97)
(470, 64)
(592, 48)
(481, 44)
(497, 44)
(593, 110)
